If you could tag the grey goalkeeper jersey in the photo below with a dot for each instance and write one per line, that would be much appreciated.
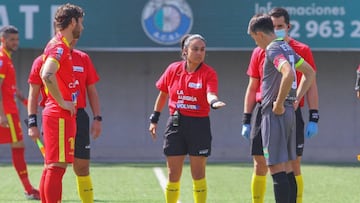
(276, 54)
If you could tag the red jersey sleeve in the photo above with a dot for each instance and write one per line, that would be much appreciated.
(92, 77)
(212, 81)
(163, 83)
(34, 76)
(256, 63)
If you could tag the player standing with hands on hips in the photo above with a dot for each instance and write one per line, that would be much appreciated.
(59, 114)
(191, 86)
(252, 108)
(87, 77)
(280, 94)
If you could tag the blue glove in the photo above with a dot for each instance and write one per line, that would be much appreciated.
(245, 131)
(311, 129)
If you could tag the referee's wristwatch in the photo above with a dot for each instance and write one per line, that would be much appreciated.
(98, 118)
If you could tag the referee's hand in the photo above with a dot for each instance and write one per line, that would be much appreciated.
(96, 128)
(152, 130)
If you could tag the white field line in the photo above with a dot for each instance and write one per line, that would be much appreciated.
(161, 178)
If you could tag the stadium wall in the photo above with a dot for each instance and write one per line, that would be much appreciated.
(127, 94)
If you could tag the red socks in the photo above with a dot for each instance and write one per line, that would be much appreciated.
(20, 167)
(41, 187)
(51, 184)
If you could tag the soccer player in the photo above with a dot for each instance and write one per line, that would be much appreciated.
(87, 77)
(59, 113)
(280, 95)
(252, 108)
(10, 127)
(191, 87)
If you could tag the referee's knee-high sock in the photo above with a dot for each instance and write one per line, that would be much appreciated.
(258, 188)
(200, 190)
(172, 192)
(292, 187)
(300, 188)
(19, 163)
(281, 187)
(85, 188)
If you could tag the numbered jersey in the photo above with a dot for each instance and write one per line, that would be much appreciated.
(277, 54)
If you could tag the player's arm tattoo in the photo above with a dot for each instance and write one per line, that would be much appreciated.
(47, 77)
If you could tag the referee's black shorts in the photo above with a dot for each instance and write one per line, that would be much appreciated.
(192, 136)
(300, 134)
(256, 145)
(82, 138)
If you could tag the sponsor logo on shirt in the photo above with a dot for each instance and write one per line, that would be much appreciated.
(59, 53)
(187, 106)
(78, 69)
(187, 98)
(195, 85)
(74, 97)
(181, 98)
(74, 84)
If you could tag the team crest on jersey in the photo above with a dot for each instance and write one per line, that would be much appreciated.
(1, 63)
(59, 53)
(78, 69)
(165, 22)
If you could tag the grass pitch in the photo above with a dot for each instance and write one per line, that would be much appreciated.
(227, 183)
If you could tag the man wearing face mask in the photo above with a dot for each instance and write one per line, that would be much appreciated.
(252, 110)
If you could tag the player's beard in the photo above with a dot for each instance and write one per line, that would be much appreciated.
(76, 32)
(12, 48)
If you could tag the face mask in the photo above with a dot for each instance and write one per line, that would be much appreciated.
(280, 33)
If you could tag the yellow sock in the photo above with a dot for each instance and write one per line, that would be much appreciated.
(85, 189)
(300, 188)
(258, 188)
(172, 192)
(199, 190)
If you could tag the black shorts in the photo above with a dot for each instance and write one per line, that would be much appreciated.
(256, 146)
(192, 136)
(300, 134)
(82, 138)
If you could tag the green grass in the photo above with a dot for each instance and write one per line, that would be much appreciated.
(227, 183)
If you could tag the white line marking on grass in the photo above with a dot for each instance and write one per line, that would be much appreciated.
(161, 178)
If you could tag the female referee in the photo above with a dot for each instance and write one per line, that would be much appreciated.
(191, 86)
